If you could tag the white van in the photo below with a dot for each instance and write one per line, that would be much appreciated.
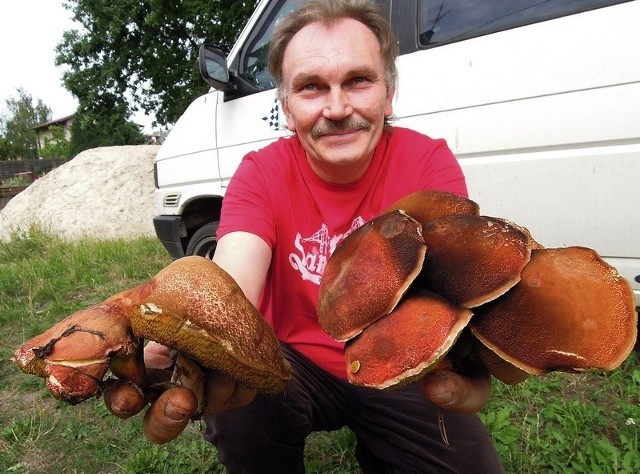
(540, 102)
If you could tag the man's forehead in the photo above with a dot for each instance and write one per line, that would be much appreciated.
(346, 40)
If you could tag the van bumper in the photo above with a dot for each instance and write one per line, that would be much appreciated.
(168, 230)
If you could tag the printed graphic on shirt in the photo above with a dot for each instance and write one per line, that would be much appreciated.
(314, 251)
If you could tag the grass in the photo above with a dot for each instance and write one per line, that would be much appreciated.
(557, 423)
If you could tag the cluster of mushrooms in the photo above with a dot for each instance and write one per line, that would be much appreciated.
(191, 306)
(402, 289)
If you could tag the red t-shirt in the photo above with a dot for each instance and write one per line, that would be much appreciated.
(275, 195)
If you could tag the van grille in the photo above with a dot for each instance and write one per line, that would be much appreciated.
(171, 200)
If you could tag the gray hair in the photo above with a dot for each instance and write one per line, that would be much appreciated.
(329, 12)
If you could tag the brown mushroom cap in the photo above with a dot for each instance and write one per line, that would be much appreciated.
(472, 259)
(571, 311)
(404, 345)
(73, 356)
(429, 204)
(532, 244)
(368, 273)
(195, 307)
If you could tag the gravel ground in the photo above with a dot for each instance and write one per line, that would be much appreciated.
(102, 193)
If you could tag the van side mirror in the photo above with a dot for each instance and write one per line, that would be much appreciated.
(214, 69)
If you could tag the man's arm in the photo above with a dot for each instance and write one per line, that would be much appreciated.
(246, 257)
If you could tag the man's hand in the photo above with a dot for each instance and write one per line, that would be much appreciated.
(469, 393)
(169, 414)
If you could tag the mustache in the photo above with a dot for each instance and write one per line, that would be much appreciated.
(349, 124)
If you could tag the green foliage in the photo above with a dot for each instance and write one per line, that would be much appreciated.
(144, 50)
(15, 181)
(56, 146)
(106, 125)
(331, 452)
(19, 139)
(5, 151)
(571, 423)
(43, 277)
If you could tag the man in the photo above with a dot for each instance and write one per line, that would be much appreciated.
(287, 208)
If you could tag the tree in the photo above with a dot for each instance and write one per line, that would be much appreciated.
(4, 149)
(20, 139)
(103, 125)
(56, 146)
(145, 52)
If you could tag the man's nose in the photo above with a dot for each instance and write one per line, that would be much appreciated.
(338, 105)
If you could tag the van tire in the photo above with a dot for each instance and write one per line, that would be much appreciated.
(203, 242)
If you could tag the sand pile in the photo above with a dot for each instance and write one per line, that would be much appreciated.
(102, 193)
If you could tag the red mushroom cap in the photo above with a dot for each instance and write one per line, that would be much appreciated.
(471, 260)
(368, 273)
(404, 345)
(429, 204)
(571, 311)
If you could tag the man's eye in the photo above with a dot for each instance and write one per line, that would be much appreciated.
(359, 80)
(309, 87)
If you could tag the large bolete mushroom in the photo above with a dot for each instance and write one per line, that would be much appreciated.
(430, 204)
(74, 355)
(352, 292)
(571, 311)
(471, 260)
(407, 343)
(192, 306)
(196, 308)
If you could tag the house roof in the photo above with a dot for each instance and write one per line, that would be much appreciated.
(60, 121)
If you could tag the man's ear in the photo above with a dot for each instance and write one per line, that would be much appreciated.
(388, 105)
(291, 123)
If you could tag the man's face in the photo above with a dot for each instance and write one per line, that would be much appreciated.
(336, 96)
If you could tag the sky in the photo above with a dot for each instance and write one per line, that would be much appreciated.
(30, 30)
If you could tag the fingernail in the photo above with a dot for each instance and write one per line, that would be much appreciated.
(441, 397)
(435, 387)
(174, 413)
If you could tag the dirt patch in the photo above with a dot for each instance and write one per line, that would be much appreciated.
(102, 193)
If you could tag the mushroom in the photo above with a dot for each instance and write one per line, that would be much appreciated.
(430, 204)
(352, 294)
(192, 306)
(540, 309)
(196, 308)
(407, 343)
(531, 244)
(74, 355)
(471, 260)
(571, 311)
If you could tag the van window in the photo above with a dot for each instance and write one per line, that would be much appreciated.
(448, 21)
(254, 57)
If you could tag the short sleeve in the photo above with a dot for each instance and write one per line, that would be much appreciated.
(246, 205)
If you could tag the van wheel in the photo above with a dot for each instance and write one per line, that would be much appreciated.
(204, 241)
